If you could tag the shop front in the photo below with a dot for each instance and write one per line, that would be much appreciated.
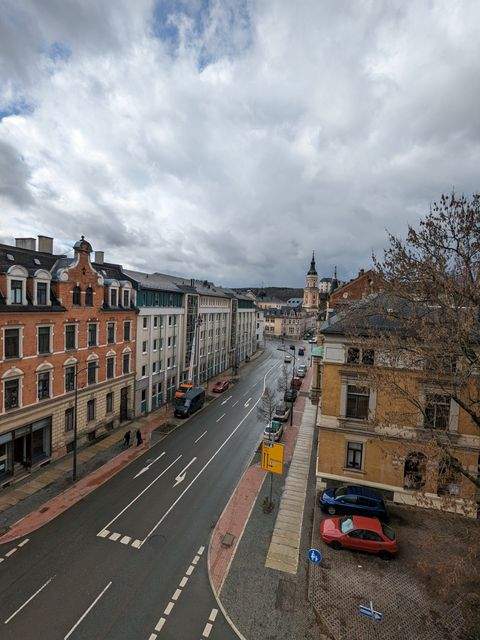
(23, 448)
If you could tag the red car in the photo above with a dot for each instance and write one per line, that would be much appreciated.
(221, 386)
(359, 533)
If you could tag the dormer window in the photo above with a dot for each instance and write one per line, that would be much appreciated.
(42, 293)
(41, 288)
(16, 291)
(77, 295)
(113, 298)
(89, 297)
(126, 298)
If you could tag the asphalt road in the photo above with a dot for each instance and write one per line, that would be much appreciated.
(129, 561)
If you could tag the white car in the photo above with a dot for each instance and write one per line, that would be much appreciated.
(313, 341)
(287, 358)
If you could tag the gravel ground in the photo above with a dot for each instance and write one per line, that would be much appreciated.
(263, 603)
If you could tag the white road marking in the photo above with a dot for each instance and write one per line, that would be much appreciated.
(226, 400)
(29, 600)
(183, 581)
(103, 534)
(142, 492)
(201, 550)
(196, 559)
(177, 594)
(137, 544)
(235, 403)
(214, 455)
(2, 559)
(24, 542)
(168, 608)
(222, 416)
(213, 615)
(115, 536)
(206, 631)
(125, 540)
(190, 569)
(160, 623)
(11, 552)
(182, 474)
(248, 402)
(153, 636)
(147, 467)
(200, 436)
(87, 611)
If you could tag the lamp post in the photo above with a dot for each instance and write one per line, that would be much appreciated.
(293, 372)
(75, 424)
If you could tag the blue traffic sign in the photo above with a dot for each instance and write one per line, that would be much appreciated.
(314, 556)
(370, 612)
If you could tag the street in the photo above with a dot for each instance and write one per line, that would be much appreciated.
(129, 561)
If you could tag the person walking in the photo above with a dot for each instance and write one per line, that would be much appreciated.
(126, 439)
(139, 437)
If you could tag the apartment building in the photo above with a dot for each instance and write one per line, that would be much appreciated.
(246, 329)
(65, 323)
(288, 322)
(160, 347)
(372, 436)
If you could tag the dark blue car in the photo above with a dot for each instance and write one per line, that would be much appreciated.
(353, 499)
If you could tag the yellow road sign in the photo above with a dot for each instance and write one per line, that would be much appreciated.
(272, 456)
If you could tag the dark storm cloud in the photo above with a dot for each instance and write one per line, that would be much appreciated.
(229, 139)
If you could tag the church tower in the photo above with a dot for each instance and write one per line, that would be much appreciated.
(311, 294)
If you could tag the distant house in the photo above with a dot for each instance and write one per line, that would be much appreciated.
(356, 289)
(295, 302)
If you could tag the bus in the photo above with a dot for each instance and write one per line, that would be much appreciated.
(187, 401)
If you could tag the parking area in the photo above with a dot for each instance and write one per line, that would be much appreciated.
(431, 591)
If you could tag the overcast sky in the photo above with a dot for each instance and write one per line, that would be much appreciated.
(228, 139)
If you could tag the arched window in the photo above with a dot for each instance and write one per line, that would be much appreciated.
(414, 470)
(77, 295)
(89, 297)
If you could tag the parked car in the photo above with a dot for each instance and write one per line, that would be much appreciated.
(273, 431)
(221, 386)
(313, 341)
(361, 534)
(353, 499)
(290, 395)
(301, 351)
(282, 412)
(296, 382)
(287, 358)
(302, 371)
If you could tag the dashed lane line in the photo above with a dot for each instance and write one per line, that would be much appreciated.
(201, 436)
(222, 416)
(209, 625)
(10, 553)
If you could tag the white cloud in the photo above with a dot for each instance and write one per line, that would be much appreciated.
(228, 139)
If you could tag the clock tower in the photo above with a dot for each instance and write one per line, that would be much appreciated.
(311, 294)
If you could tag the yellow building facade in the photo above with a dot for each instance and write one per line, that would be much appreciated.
(371, 437)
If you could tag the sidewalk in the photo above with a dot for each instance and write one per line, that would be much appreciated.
(261, 602)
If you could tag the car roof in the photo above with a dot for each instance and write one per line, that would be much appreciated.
(371, 524)
(366, 492)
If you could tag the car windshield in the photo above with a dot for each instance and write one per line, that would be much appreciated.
(341, 491)
(271, 428)
(390, 533)
(346, 525)
(281, 409)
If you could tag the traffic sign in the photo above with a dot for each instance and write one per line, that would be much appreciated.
(272, 456)
(370, 612)
(314, 556)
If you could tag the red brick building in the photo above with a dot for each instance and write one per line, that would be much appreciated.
(356, 289)
(63, 321)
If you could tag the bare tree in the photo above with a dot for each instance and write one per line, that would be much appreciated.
(267, 405)
(427, 321)
(283, 382)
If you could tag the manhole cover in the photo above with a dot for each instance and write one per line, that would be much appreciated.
(228, 539)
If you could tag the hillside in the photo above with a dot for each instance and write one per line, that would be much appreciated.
(283, 293)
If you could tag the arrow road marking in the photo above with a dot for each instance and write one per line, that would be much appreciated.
(181, 476)
(148, 466)
(247, 403)
(226, 400)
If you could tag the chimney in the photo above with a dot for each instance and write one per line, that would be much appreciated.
(25, 243)
(45, 244)
(361, 272)
(99, 257)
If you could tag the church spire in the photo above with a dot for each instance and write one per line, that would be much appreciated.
(312, 271)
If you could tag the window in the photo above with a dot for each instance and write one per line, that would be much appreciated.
(357, 402)
(42, 293)
(12, 394)
(43, 385)
(92, 372)
(92, 334)
(126, 363)
(145, 322)
(109, 402)
(70, 378)
(126, 298)
(174, 341)
(113, 297)
(91, 410)
(356, 355)
(43, 340)
(12, 343)
(70, 336)
(110, 367)
(155, 344)
(77, 295)
(170, 321)
(126, 330)
(110, 332)
(169, 342)
(89, 297)
(155, 322)
(154, 367)
(168, 363)
(354, 455)
(16, 291)
(437, 411)
(69, 419)
(144, 346)
(144, 370)
(160, 343)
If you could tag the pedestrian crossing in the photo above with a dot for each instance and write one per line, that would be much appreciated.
(114, 536)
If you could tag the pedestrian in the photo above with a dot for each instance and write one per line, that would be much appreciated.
(126, 439)
(139, 437)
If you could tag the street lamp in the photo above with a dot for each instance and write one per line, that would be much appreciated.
(293, 375)
(74, 470)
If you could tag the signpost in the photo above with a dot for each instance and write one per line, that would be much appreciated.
(272, 461)
(315, 556)
(370, 612)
